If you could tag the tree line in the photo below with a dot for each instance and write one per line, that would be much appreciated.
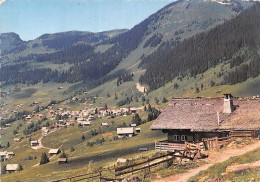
(205, 50)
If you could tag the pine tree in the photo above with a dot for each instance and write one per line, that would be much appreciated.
(136, 119)
(44, 159)
(145, 108)
(83, 138)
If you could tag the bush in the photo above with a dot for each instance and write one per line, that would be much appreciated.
(3, 169)
(63, 155)
(115, 137)
(28, 158)
(20, 167)
(90, 144)
(72, 149)
(164, 100)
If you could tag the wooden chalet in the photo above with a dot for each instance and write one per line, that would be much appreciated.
(11, 168)
(34, 143)
(62, 160)
(53, 152)
(17, 140)
(125, 132)
(205, 119)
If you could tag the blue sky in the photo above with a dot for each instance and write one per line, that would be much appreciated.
(32, 18)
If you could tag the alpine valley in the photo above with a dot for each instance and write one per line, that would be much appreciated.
(189, 48)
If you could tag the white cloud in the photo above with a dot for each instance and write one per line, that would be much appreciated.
(2, 1)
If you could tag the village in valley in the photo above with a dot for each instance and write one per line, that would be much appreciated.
(182, 139)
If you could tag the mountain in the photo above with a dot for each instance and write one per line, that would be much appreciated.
(99, 56)
(63, 40)
(235, 43)
(11, 42)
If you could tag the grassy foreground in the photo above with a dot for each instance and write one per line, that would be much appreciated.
(85, 158)
(219, 169)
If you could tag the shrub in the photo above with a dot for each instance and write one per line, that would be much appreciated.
(72, 149)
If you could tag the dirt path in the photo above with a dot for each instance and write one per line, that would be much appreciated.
(40, 142)
(139, 87)
(211, 160)
(133, 65)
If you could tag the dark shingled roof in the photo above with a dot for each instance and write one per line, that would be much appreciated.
(200, 114)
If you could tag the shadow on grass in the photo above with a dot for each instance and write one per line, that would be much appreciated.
(110, 154)
(27, 93)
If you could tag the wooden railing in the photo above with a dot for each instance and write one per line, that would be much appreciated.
(148, 164)
(214, 143)
(116, 173)
(241, 133)
(167, 146)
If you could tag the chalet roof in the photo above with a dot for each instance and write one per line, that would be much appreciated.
(53, 151)
(128, 130)
(12, 167)
(200, 114)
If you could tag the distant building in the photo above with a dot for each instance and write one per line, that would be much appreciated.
(53, 152)
(125, 132)
(121, 161)
(85, 123)
(62, 160)
(6, 155)
(17, 140)
(34, 143)
(105, 124)
(138, 130)
(11, 168)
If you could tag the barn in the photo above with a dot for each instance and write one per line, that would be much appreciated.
(197, 120)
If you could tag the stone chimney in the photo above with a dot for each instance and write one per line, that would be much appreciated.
(228, 104)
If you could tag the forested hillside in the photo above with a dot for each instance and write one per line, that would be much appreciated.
(84, 56)
(205, 50)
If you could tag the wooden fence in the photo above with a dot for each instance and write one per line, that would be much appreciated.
(82, 177)
(214, 143)
(115, 173)
(167, 146)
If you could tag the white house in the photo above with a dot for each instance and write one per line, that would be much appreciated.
(34, 143)
(85, 123)
(105, 124)
(125, 132)
(10, 168)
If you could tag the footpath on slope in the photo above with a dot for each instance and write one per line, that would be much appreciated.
(214, 158)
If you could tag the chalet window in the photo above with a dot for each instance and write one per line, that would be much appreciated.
(184, 137)
(176, 137)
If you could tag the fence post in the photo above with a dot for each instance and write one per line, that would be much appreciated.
(115, 170)
(148, 165)
(100, 175)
